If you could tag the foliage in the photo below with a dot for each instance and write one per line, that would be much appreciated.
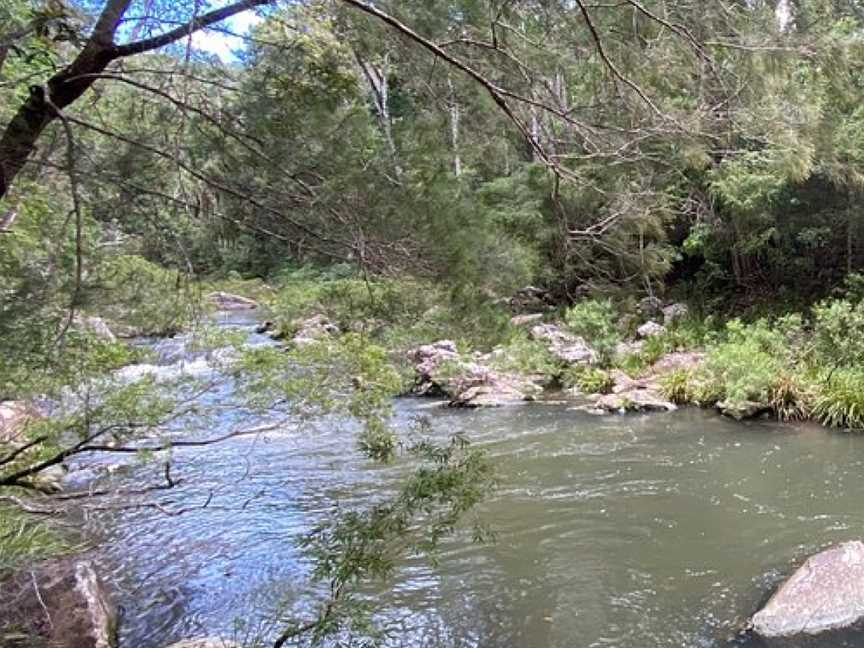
(588, 380)
(840, 399)
(595, 320)
(25, 538)
(524, 355)
(838, 332)
(749, 363)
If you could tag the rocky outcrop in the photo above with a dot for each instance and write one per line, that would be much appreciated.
(565, 347)
(649, 330)
(467, 382)
(314, 329)
(207, 642)
(63, 603)
(826, 593)
(229, 302)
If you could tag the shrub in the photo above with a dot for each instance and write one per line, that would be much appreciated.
(791, 399)
(527, 356)
(748, 364)
(838, 332)
(840, 399)
(595, 320)
(589, 380)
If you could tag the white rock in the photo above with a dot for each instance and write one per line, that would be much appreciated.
(826, 593)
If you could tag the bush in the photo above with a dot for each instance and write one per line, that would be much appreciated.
(589, 380)
(527, 356)
(840, 399)
(595, 320)
(838, 332)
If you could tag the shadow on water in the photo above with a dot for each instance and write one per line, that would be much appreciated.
(632, 532)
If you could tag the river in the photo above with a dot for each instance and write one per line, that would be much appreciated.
(664, 530)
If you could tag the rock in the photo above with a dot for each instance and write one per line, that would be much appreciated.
(51, 479)
(62, 602)
(826, 593)
(741, 410)
(14, 417)
(531, 298)
(634, 400)
(229, 302)
(626, 349)
(264, 327)
(622, 382)
(678, 361)
(314, 329)
(525, 320)
(207, 642)
(674, 313)
(441, 371)
(95, 326)
(649, 307)
(566, 347)
(650, 329)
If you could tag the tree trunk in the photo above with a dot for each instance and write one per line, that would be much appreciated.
(455, 117)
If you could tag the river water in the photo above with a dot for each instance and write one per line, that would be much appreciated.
(662, 530)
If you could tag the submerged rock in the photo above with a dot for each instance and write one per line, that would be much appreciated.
(566, 347)
(230, 302)
(826, 593)
(63, 603)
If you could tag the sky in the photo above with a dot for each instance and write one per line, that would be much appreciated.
(221, 44)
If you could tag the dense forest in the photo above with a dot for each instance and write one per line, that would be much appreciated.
(633, 206)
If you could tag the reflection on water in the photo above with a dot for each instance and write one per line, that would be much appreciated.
(663, 530)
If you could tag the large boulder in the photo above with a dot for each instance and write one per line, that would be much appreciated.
(62, 604)
(826, 593)
(565, 347)
(229, 302)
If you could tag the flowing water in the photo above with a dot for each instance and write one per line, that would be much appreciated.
(664, 530)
